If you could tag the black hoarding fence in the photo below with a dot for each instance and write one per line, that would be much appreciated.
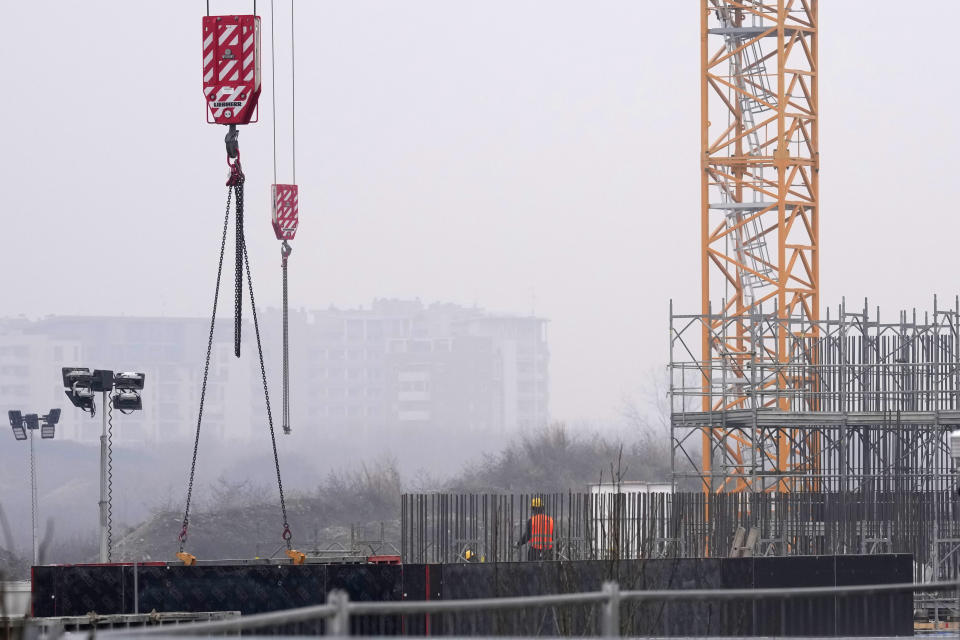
(809, 612)
(471, 527)
(674, 596)
(712, 597)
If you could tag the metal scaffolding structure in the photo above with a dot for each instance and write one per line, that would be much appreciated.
(759, 195)
(769, 398)
(869, 405)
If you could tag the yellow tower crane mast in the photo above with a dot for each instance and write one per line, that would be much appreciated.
(759, 232)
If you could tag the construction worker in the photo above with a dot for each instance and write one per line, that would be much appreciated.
(539, 533)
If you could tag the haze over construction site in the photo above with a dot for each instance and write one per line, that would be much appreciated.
(498, 154)
(590, 286)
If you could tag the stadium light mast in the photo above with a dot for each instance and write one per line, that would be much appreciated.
(121, 391)
(23, 427)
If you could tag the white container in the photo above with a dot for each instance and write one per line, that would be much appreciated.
(16, 598)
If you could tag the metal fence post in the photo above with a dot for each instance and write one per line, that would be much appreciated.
(611, 610)
(339, 624)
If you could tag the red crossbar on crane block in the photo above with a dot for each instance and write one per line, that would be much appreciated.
(231, 68)
(286, 215)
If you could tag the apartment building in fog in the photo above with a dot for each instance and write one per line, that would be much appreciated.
(397, 365)
(169, 351)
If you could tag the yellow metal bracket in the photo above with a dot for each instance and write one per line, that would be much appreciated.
(297, 556)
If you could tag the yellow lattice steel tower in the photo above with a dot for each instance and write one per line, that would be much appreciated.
(759, 226)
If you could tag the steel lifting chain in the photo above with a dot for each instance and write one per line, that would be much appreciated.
(235, 186)
(206, 371)
(238, 280)
(285, 251)
(236, 180)
(287, 535)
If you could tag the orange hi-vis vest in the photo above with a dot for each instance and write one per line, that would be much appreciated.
(541, 532)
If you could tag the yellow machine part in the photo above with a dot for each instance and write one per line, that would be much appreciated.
(297, 556)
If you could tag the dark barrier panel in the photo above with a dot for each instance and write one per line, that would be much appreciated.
(43, 588)
(369, 582)
(462, 581)
(795, 616)
(78, 590)
(415, 579)
(528, 579)
(699, 618)
(737, 616)
(85, 589)
(248, 589)
(585, 619)
(874, 614)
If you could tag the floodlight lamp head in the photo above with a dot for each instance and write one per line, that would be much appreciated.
(31, 421)
(127, 401)
(16, 421)
(128, 380)
(102, 380)
(76, 376)
(48, 424)
(82, 398)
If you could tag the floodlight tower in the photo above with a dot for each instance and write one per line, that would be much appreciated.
(122, 391)
(23, 425)
(759, 230)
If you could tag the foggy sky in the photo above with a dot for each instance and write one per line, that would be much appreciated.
(515, 154)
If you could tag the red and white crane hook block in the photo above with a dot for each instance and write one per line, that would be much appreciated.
(286, 210)
(231, 68)
(286, 218)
